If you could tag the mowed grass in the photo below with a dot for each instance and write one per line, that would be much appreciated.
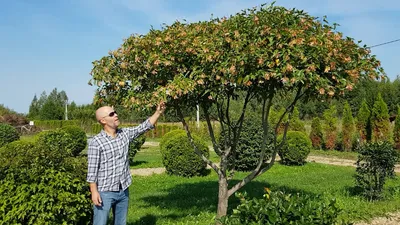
(163, 199)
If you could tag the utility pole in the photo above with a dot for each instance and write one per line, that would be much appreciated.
(66, 109)
(198, 117)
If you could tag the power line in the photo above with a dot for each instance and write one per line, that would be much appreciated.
(385, 43)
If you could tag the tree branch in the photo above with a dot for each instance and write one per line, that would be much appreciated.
(210, 128)
(260, 170)
(197, 151)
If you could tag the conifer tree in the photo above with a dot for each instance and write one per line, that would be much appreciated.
(396, 130)
(380, 120)
(363, 122)
(330, 127)
(316, 134)
(347, 127)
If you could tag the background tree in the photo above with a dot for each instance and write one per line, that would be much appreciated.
(347, 127)
(396, 130)
(380, 120)
(330, 127)
(259, 53)
(316, 135)
(364, 122)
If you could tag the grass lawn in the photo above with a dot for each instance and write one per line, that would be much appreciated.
(163, 199)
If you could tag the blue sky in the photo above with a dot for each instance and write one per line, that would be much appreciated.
(47, 44)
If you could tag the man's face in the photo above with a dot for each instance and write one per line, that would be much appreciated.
(110, 118)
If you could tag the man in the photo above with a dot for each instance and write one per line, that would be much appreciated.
(108, 164)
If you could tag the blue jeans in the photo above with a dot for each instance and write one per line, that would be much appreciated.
(115, 200)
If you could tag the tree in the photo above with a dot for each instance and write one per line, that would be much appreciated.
(364, 122)
(316, 135)
(258, 53)
(296, 124)
(347, 127)
(34, 108)
(396, 129)
(380, 120)
(330, 119)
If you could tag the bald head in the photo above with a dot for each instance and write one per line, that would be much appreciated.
(103, 112)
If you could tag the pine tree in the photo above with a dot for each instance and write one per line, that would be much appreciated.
(295, 123)
(380, 120)
(347, 127)
(363, 122)
(330, 127)
(316, 134)
(396, 130)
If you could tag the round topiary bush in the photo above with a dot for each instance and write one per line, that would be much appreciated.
(296, 148)
(58, 143)
(79, 139)
(7, 134)
(179, 158)
(168, 135)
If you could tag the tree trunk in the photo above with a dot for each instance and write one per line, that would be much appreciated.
(222, 196)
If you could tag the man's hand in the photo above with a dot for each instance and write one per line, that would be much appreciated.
(96, 199)
(161, 108)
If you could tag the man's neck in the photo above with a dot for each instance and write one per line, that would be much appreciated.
(110, 131)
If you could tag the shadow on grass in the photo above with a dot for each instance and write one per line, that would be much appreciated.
(199, 197)
(137, 163)
(150, 219)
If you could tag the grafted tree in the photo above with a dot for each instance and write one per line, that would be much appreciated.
(259, 53)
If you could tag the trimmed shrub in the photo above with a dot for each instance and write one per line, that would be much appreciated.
(179, 157)
(7, 134)
(58, 144)
(316, 135)
(79, 139)
(168, 136)
(248, 149)
(134, 147)
(376, 162)
(285, 208)
(41, 185)
(295, 149)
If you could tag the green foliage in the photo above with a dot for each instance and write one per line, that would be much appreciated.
(56, 197)
(396, 129)
(39, 184)
(364, 122)
(79, 139)
(295, 123)
(285, 208)
(7, 134)
(380, 120)
(316, 135)
(376, 162)
(295, 149)
(58, 142)
(347, 128)
(330, 119)
(134, 147)
(179, 157)
(248, 149)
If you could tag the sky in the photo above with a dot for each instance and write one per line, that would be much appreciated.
(47, 44)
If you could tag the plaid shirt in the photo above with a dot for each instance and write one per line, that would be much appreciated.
(108, 163)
